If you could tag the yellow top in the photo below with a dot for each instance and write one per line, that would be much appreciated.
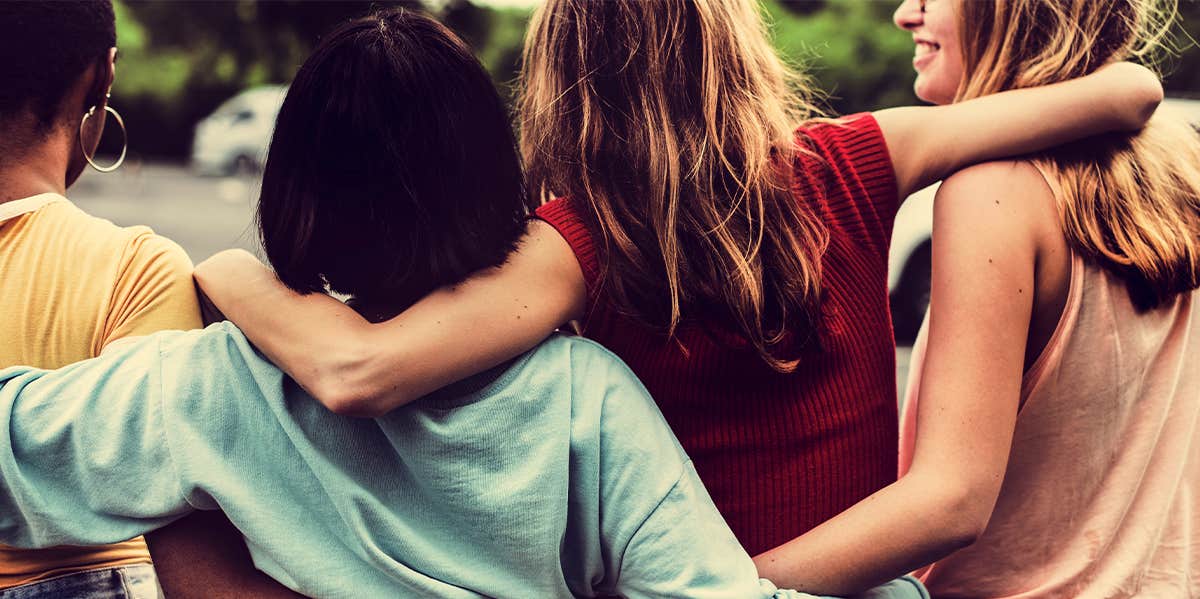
(73, 284)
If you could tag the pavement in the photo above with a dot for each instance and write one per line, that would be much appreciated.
(204, 214)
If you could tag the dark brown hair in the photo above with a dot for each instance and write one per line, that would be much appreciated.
(393, 169)
(45, 47)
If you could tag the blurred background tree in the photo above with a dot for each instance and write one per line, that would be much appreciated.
(179, 60)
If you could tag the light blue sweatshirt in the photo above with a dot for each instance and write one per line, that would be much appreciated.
(557, 478)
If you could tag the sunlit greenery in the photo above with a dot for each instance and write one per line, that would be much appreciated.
(180, 59)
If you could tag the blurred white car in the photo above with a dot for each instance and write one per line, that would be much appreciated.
(234, 138)
(909, 258)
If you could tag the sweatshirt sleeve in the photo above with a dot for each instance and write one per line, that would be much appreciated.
(83, 456)
(685, 549)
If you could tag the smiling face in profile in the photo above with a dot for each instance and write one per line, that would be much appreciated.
(938, 58)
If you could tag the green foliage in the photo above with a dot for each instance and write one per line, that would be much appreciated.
(1182, 71)
(850, 47)
(180, 59)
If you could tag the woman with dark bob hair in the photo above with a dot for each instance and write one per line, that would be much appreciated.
(392, 172)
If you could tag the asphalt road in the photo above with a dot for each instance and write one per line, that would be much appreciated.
(203, 214)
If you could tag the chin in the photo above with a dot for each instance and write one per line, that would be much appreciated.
(932, 93)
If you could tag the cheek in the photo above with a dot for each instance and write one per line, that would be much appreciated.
(937, 84)
(953, 68)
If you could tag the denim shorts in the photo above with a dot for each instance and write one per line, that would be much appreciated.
(137, 581)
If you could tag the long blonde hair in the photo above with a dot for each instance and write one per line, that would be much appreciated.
(672, 123)
(1130, 203)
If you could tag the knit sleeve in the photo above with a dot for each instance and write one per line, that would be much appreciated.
(845, 174)
(563, 214)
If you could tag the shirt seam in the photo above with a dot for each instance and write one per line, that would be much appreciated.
(162, 431)
(621, 563)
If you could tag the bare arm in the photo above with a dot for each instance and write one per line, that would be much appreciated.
(928, 143)
(983, 277)
(355, 367)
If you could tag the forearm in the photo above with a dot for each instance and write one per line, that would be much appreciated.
(928, 143)
(366, 369)
(315, 338)
(1059, 113)
(898, 529)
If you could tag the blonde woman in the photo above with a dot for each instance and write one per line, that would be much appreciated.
(1051, 438)
(737, 264)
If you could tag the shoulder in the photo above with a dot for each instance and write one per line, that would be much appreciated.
(992, 219)
(146, 247)
(995, 195)
(997, 177)
(585, 363)
(205, 363)
(91, 232)
(861, 127)
(562, 220)
(628, 415)
(853, 143)
(104, 239)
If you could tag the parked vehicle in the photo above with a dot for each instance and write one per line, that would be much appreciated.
(234, 138)
(911, 251)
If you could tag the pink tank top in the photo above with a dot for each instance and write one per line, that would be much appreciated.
(1102, 493)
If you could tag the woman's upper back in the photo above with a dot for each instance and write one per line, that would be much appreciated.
(1097, 495)
(1098, 498)
(781, 453)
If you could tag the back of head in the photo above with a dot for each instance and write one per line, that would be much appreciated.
(393, 169)
(46, 47)
(673, 123)
(1131, 203)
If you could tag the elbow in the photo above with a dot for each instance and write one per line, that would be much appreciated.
(1147, 105)
(1144, 103)
(351, 403)
(966, 513)
(352, 396)
(353, 375)
(953, 508)
(353, 388)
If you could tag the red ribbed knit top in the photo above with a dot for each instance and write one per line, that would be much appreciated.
(781, 453)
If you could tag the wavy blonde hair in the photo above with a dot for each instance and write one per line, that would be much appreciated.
(672, 122)
(1130, 203)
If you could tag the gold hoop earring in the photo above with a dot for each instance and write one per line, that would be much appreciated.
(124, 136)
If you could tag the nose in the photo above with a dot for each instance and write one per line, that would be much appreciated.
(909, 15)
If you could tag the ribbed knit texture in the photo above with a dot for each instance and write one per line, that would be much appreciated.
(781, 453)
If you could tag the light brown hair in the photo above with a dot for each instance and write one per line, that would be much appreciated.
(671, 122)
(1130, 203)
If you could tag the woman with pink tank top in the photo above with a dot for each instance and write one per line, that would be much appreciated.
(1050, 446)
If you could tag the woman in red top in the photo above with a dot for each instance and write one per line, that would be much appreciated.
(737, 264)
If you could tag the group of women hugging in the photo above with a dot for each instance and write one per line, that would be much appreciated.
(722, 422)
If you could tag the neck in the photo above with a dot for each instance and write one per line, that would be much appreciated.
(31, 169)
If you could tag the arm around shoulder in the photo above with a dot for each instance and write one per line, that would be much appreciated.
(928, 143)
(366, 369)
(983, 263)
